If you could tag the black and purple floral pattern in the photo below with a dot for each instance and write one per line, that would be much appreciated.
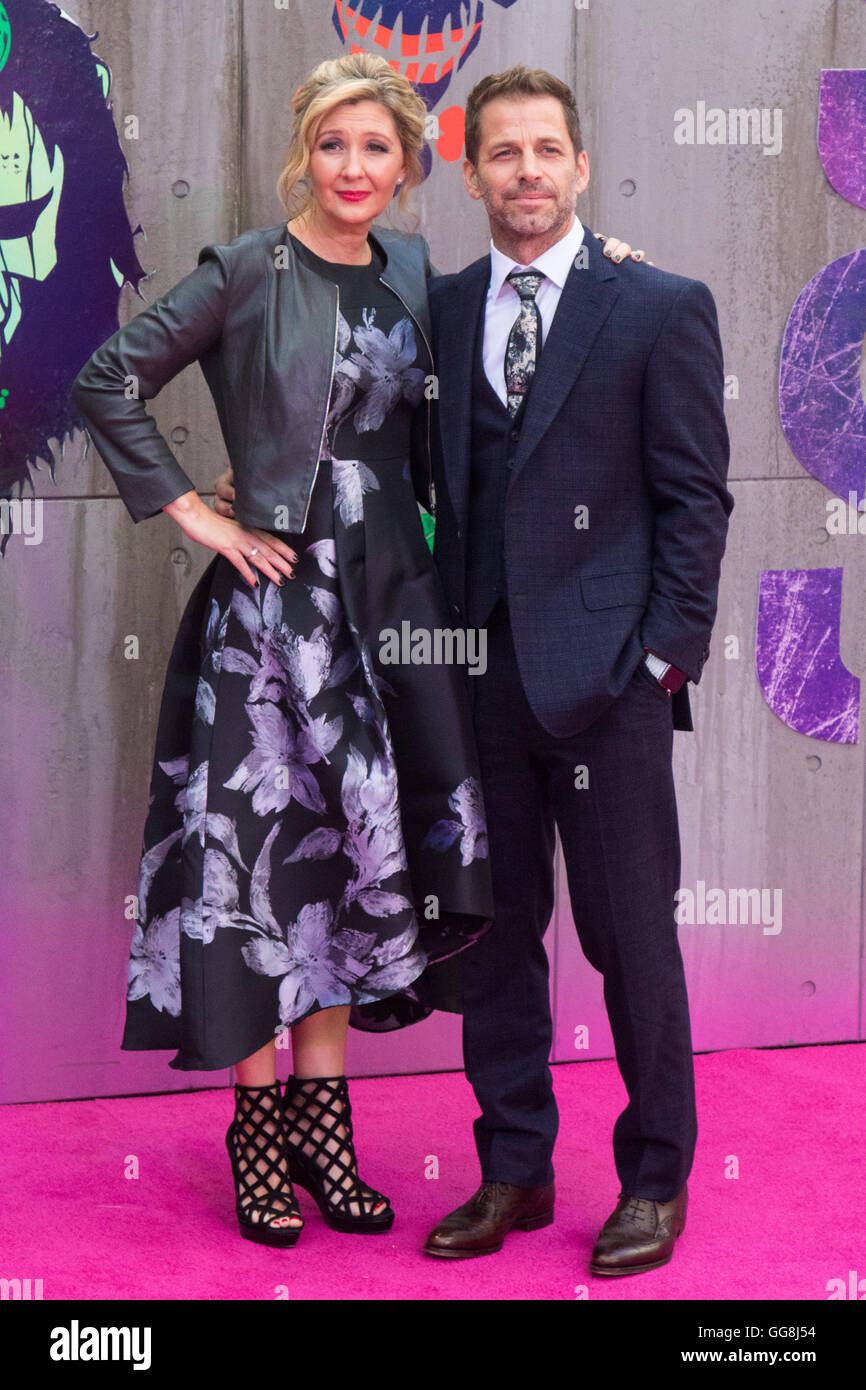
(316, 831)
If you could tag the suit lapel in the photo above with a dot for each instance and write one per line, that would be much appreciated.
(587, 298)
(459, 313)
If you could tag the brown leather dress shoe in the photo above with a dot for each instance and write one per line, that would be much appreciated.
(480, 1226)
(639, 1235)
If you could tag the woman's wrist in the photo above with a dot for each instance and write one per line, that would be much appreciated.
(185, 507)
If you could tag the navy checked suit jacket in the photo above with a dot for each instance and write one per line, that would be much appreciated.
(625, 418)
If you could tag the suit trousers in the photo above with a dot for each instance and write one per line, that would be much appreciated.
(620, 842)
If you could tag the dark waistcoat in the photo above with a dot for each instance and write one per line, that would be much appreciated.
(494, 439)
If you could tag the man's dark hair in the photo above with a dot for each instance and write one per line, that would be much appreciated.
(518, 81)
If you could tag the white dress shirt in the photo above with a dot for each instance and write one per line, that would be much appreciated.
(503, 301)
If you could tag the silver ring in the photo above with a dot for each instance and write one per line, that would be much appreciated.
(254, 551)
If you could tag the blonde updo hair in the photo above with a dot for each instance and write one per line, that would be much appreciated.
(353, 77)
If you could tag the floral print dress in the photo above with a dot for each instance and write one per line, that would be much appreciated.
(315, 833)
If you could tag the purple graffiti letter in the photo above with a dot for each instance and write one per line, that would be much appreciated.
(799, 667)
(842, 131)
(820, 401)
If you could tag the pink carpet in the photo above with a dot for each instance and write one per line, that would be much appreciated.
(793, 1119)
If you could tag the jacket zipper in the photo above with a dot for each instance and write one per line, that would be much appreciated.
(431, 495)
(327, 404)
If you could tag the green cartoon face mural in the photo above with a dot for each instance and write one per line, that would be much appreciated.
(66, 247)
(30, 188)
(5, 38)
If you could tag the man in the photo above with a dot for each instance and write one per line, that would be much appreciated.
(582, 512)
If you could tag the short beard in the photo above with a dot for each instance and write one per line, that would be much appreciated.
(560, 216)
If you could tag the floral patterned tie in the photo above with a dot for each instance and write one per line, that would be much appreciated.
(523, 339)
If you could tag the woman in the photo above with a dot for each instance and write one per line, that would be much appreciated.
(315, 840)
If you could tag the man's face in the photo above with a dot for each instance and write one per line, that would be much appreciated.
(527, 174)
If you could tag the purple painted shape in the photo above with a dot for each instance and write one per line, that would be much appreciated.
(820, 401)
(797, 652)
(842, 131)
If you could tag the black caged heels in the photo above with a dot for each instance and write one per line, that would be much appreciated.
(257, 1148)
(318, 1118)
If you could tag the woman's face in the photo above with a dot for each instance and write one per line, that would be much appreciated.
(355, 162)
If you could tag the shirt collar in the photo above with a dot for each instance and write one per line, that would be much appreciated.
(555, 262)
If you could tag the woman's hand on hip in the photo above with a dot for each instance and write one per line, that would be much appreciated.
(244, 546)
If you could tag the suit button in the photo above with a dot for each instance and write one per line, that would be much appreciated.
(511, 463)
(515, 434)
(459, 534)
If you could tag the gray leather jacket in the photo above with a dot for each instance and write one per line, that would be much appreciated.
(264, 329)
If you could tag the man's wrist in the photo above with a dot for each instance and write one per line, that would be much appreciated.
(668, 676)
